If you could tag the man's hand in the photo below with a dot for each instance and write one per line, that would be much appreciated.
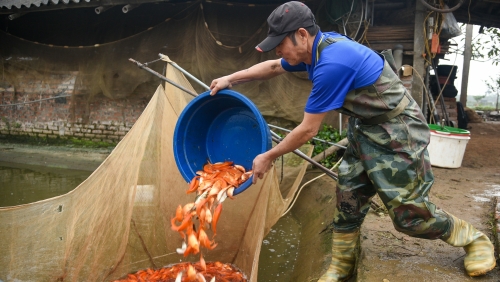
(261, 164)
(219, 84)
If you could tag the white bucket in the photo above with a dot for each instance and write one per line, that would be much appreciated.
(447, 149)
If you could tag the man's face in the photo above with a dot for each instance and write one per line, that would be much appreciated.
(293, 54)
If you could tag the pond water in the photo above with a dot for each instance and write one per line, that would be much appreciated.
(279, 251)
(23, 184)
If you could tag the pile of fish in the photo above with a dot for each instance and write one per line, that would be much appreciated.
(185, 271)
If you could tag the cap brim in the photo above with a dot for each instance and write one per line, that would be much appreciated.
(270, 43)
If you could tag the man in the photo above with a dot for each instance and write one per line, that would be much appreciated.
(387, 133)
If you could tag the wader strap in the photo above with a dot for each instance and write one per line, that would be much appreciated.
(328, 41)
(374, 120)
(389, 115)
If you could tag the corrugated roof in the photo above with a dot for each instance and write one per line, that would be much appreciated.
(39, 5)
(479, 12)
(27, 3)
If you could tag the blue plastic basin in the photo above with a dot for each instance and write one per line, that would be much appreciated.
(223, 127)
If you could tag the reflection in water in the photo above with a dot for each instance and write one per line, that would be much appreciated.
(279, 251)
(22, 184)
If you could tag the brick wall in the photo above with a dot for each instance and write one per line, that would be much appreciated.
(79, 116)
(97, 119)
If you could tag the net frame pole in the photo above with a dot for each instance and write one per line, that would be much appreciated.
(276, 138)
(142, 66)
(165, 58)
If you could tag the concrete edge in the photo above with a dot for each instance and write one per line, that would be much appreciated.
(496, 231)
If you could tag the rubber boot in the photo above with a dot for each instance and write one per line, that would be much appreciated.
(480, 254)
(343, 257)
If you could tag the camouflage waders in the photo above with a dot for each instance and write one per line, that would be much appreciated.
(387, 155)
(389, 159)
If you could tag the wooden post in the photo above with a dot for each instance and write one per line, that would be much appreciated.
(466, 66)
(419, 49)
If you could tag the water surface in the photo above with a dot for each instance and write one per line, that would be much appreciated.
(23, 184)
(279, 251)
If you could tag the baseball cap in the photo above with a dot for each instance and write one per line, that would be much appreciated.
(287, 17)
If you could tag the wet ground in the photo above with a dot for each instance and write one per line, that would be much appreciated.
(468, 192)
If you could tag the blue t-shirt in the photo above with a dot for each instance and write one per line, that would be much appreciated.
(342, 66)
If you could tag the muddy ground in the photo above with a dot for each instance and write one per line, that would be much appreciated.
(467, 192)
(386, 255)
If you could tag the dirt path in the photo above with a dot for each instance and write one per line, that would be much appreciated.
(467, 192)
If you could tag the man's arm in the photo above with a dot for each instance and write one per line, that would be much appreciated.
(261, 71)
(306, 130)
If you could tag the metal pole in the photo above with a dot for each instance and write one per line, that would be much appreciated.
(276, 138)
(417, 87)
(184, 71)
(314, 138)
(441, 99)
(340, 123)
(163, 77)
(466, 65)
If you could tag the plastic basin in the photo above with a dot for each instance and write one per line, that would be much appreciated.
(447, 146)
(223, 127)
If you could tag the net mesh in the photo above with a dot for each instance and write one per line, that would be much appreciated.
(209, 40)
(118, 220)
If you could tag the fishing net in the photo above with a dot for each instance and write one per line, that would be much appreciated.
(207, 39)
(118, 220)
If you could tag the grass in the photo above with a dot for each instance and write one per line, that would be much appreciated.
(58, 141)
(330, 134)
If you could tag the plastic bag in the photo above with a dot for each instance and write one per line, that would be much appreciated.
(450, 27)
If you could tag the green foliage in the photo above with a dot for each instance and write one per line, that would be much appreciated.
(330, 134)
(478, 98)
(483, 108)
(58, 141)
(90, 144)
(7, 123)
(485, 46)
(493, 85)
